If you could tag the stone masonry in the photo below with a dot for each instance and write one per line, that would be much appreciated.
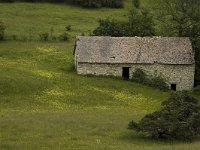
(171, 58)
(182, 76)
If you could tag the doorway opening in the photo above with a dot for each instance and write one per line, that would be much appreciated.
(125, 73)
(173, 87)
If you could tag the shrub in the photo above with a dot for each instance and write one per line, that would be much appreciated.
(52, 33)
(63, 37)
(44, 36)
(157, 82)
(2, 30)
(136, 3)
(14, 37)
(140, 76)
(179, 118)
(196, 90)
(68, 28)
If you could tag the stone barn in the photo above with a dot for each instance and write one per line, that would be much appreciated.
(170, 57)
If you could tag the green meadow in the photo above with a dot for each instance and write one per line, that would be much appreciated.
(44, 104)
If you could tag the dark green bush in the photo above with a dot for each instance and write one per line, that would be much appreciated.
(97, 3)
(14, 37)
(44, 36)
(63, 37)
(68, 28)
(2, 30)
(139, 23)
(196, 90)
(136, 3)
(109, 27)
(83, 3)
(179, 118)
(157, 82)
(140, 76)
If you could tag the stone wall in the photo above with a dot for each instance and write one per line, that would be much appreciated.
(181, 75)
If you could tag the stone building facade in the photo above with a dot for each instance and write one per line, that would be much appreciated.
(169, 57)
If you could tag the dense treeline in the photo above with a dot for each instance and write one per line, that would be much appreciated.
(83, 3)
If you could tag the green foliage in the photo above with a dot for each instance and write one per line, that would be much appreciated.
(140, 23)
(68, 28)
(112, 27)
(182, 18)
(136, 3)
(44, 36)
(157, 82)
(179, 118)
(196, 90)
(140, 76)
(2, 30)
(63, 37)
(83, 3)
(196, 46)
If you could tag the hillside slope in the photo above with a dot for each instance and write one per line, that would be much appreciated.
(44, 104)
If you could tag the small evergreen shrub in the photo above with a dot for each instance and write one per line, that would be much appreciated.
(179, 118)
(44, 36)
(82, 34)
(2, 31)
(196, 90)
(68, 28)
(14, 37)
(52, 33)
(63, 37)
(140, 76)
(157, 82)
(136, 3)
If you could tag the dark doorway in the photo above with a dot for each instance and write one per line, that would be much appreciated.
(125, 73)
(173, 87)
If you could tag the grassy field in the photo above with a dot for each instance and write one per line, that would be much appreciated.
(29, 20)
(44, 104)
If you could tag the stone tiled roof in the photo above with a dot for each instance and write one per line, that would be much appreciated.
(137, 50)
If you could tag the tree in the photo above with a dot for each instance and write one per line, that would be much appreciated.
(182, 18)
(139, 23)
(108, 27)
(179, 118)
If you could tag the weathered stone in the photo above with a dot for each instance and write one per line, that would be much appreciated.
(181, 75)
